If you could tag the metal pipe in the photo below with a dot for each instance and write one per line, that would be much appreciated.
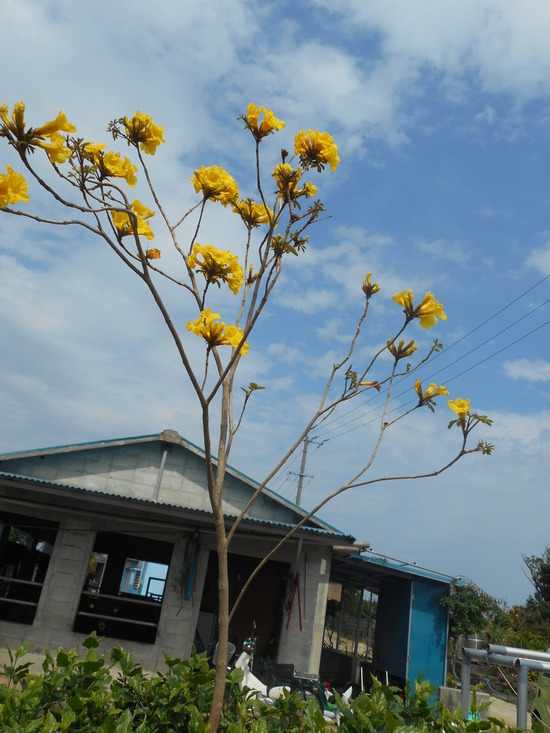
(521, 720)
(533, 664)
(465, 696)
(517, 652)
(501, 659)
(480, 655)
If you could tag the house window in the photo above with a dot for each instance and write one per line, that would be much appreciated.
(25, 548)
(124, 587)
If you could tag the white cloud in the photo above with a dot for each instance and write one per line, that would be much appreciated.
(540, 260)
(87, 356)
(440, 249)
(500, 42)
(535, 370)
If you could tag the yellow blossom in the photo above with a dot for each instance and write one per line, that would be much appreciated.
(369, 288)
(111, 164)
(95, 151)
(375, 385)
(56, 150)
(13, 188)
(309, 190)
(142, 131)
(217, 265)
(287, 179)
(251, 213)
(215, 332)
(55, 147)
(401, 350)
(428, 310)
(122, 222)
(119, 168)
(269, 124)
(60, 124)
(14, 128)
(215, 183)
(430, 392)
(317, 149)
(153, 254)
(460, 407)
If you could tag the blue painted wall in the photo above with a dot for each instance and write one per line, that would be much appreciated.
(427, 645)
(411, 630)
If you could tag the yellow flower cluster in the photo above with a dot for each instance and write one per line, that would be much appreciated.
(153, 254)
(317, 149)
(47, 136)
(13, 188)
(251, 213)
(215, 183)
(217, 266)
(401, 350)
(369, 288)
(428, 310)
(122, 221)
(215, 332)
(287, 179)
(460, 407)
(430, 392)
(142, 131)
(111, 164)
(269, 124)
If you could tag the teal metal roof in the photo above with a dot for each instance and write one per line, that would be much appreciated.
(368, 570)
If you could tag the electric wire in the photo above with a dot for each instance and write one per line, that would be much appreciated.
(339, 419)
(451, 379)
(501, 310)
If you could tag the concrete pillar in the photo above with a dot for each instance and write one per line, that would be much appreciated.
(60, 595)
(178, 618)
(303, 648)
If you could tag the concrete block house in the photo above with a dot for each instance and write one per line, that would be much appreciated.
(117, 537)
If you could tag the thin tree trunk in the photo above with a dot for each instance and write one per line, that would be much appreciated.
(223, 624)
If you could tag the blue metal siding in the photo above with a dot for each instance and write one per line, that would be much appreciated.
(427, 643)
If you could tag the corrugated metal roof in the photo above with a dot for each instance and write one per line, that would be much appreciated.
(404, 567)
(174, 437)
(368, 570)
(148, 502)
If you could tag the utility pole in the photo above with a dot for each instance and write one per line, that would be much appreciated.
(302, 474)
(302, 471)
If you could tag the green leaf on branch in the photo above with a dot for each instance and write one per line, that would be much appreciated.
(252, 387)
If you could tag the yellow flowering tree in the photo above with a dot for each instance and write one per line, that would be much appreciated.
(92, 193)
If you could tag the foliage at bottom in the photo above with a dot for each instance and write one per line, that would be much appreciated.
(84, 693)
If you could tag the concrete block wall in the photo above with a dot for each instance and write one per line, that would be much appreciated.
(304, 647)
(133, 470)
(60, 597)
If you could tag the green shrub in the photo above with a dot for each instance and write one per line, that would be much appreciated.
(80, 693)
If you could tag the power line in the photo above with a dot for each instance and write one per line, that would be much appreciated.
(454, 362)
(377, 408)
(501, 310)
(451, 379)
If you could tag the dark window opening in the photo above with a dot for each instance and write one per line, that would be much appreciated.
(261, 605)
(124, 587)
(26, 545)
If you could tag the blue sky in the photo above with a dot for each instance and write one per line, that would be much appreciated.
(441, 113)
